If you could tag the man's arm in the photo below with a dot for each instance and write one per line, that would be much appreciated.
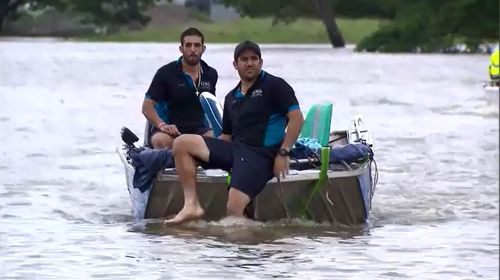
(148, 110)
(157, 92)
(295, 122)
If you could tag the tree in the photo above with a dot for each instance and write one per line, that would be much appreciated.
(289, 10)
(113, 12)
(426, 25)
(9, 7)
(325, 11)
(436, 25)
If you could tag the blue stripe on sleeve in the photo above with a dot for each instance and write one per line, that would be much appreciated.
(293, 107)
(275, 131)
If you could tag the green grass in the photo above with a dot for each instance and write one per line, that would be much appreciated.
(260, 30)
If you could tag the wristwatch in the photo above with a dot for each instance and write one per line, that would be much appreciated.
(283, 152)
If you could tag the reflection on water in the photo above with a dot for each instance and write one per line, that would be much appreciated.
(65, 211)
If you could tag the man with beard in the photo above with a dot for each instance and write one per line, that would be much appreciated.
(171, 104)
(253, 146)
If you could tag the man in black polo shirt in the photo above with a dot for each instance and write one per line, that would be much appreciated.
(253, 146)
(171, 105)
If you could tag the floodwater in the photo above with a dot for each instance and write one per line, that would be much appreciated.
(65, 211)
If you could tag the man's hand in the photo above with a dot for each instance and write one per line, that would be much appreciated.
(169, 129)
(225, 137)
(281, 166)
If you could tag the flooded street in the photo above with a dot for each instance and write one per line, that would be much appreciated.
(64, 206)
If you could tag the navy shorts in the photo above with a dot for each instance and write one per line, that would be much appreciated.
(251, 167)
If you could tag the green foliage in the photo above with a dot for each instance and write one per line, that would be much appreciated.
(43, 4)
(425, 25)
(290, 10)
(436, 25)
(282, 10)
(100, 12)
(112, 11)
(366, 8)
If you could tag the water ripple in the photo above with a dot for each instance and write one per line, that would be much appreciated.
(65, 212)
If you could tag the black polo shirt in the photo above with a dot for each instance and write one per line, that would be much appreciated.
(171, 85)
(259, 117)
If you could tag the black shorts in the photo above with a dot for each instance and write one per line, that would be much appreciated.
(251, 167)
(197, 130)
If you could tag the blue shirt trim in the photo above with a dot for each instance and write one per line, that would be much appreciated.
(238, 94)
(293, 108)
(161, 108)
(275, 131)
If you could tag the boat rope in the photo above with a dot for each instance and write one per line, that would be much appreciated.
(327, 195)
(374, 178)
(282, 198)
(330, 210)
(336, 139)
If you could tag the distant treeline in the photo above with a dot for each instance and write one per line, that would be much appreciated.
(109, 12)
(411, 25)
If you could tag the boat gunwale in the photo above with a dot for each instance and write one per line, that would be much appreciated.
(333, 174)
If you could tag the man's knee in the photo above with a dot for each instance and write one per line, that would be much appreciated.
(161, 141)
(187, 142)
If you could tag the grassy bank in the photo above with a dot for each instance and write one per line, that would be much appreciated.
(260, 30)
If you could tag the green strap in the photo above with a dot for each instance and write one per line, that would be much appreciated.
(322, 180)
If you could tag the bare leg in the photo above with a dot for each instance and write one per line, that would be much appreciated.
(236, 203)
(162, 140)
(188, 148)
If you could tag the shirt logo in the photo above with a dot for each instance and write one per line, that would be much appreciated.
(257, 93)
(181, 84)
(205, 85)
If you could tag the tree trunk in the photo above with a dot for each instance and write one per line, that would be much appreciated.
(3, 12)
(325, 11)
(7, 6)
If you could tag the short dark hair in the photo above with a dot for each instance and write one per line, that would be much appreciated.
(191, 31)
(246, 45)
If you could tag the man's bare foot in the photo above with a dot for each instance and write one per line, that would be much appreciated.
(186, 215)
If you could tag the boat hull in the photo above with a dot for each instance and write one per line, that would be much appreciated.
(491, 89)
(344, 198)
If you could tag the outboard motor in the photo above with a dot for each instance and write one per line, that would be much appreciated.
(129, 137)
